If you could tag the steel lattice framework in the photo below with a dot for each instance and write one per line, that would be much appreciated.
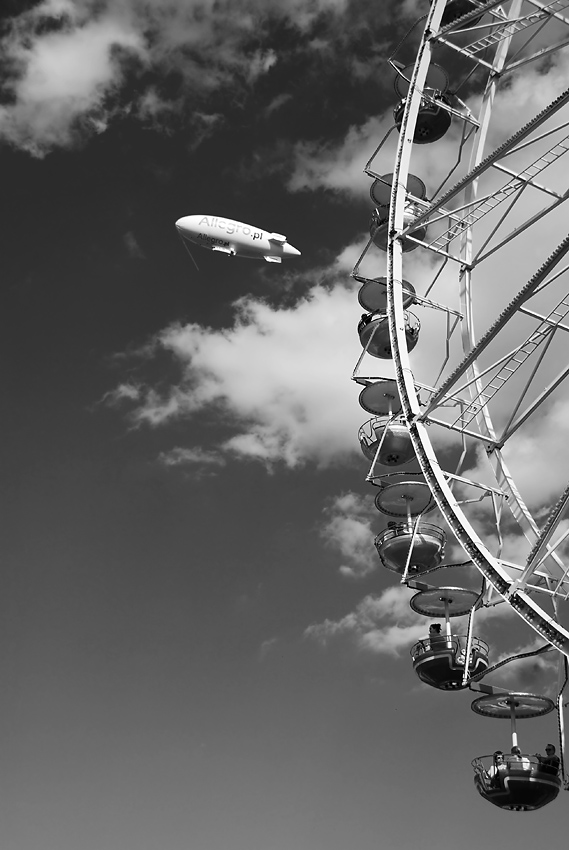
(466, 224)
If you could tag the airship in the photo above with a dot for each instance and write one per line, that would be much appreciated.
(234, 238)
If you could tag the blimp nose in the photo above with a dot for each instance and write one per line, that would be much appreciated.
(186, 225)
(290, 250)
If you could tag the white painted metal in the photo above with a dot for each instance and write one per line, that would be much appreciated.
(521, 592)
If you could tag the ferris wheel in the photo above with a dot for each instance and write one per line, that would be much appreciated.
(480, 361)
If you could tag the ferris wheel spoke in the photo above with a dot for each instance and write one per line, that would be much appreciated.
(503, 28)
(534, 285)
(475, 209)
(541, 548)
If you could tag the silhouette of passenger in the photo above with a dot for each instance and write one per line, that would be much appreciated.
(517, 761)
(497, 768)
(436, 639)
(549, 763)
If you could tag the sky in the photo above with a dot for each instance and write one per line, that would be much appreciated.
(199, 647)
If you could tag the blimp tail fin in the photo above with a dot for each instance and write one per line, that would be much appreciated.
(270, 259)
(277, 237)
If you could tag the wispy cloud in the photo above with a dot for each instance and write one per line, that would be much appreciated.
(536, 674)
(180, 456)
(532, 457)
(383, 624)
(197, 462)
(348, 528)
(278, 377)
(69, 67)
(59, 78)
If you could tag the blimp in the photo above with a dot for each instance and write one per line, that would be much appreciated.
(234, 238)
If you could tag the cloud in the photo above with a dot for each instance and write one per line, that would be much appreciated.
(132, 246)
(180, 456)
(279, 378)
(534, 675)
(338, 167)
(383, 624)
(533, 456)
(124, 392)
(261, 62)
(70, 67)
(348, 528)
(267, 647)
(60, 79)
(196, 462)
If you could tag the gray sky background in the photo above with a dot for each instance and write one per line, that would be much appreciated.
(199, 649)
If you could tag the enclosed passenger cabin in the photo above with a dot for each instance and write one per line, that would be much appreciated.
(373, 295)
(439, 661)
(380, 191)
(373, 330)
(394, 546)
(520, 784)
(380, 194)
(387, 438)
(446, 661)
(516, 782)
(378, 229)
(433, 119)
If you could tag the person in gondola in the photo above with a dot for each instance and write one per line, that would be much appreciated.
(436, 639)
(365, 320)
(497, 768)
(517, 761)
(549, 763)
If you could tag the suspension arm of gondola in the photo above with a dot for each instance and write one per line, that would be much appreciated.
(365, 349)
(362, 255)
(450, 330)
(563, 666)
(468, 643)
(410, 552)
(370, 476)
(367, 167)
